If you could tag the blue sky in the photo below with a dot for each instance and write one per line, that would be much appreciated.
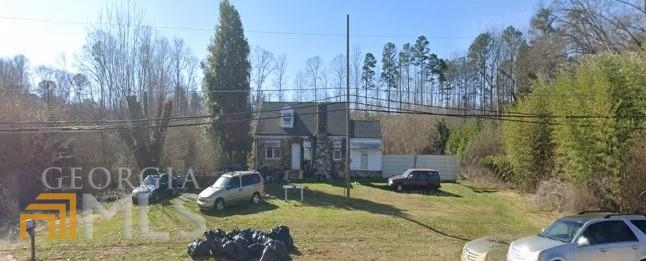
(43, 29)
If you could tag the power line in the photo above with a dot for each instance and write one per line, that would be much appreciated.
(131, 122)
(486, 117)
(376, 109)
(203, 29)
(292, 104)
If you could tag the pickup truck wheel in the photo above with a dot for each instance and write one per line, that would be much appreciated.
(255, 199)
(219, 204)
(399, 187)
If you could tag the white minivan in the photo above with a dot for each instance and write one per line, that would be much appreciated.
(233, 188)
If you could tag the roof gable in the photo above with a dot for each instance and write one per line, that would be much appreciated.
(269, 119)
(305, 120)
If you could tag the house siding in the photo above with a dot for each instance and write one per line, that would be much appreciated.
(321, 165)
(321, 124)
(273, 164)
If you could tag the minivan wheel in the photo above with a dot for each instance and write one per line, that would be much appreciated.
(400, 187)
(255, 199)
(219, 204)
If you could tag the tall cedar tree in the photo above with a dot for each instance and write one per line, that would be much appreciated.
(226, 78)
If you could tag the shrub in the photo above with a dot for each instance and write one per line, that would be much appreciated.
(500, 166)
(485, 142)
(528, 141)
(555, 194)
(460, 136)
(633, 182)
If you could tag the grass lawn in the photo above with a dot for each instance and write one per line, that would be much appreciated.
(376, 224)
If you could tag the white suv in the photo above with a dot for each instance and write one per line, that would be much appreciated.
(586, 236)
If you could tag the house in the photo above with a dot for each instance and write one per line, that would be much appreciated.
(309, 139)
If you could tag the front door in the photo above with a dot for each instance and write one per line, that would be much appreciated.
(296, 156)
(364, 160)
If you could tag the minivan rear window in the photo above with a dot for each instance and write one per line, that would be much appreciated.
(251, 179)
(641, 224)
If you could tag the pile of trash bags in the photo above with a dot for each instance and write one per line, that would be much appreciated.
(244, 244)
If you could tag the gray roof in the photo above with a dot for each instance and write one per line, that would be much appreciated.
(305, 120)
(336, 120)
(365, 129)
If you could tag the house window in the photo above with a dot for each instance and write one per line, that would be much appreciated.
(287, 117)
(307, 150)
(337, 154)
(364, 160)
(272, 150)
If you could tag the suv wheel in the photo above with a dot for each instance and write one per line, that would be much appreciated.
(399, 187)
(255, 199)
(219, 204)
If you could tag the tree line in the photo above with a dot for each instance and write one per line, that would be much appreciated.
(130, 74)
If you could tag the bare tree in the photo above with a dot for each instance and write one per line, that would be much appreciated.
(313, 71)
(262, 64)
(280, 66)
(601, 25)
(337, 69)
(356, 61)
(299, 83)
(324, 83)
(14, 74)
(134, 68)
(180, 59)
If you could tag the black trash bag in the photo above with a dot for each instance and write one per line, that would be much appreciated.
(229, 250)
(225, 248)
(242, 247)
(233, 233)
(215, 247)
(248, 234)
(215, 238)
(269, 254)
(282, 233)
(256, 249)
(215, 235)
(199, 250)
(281, 249)
(275, 250)
(260, 237)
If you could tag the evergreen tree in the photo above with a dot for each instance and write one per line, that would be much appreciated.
(419, 57)
(368, 74)
(390, 69)
(226, 78)
(404, 67)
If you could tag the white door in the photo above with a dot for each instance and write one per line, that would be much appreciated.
(364, 160)
(296, 156)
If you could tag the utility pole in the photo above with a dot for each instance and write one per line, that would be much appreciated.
(347, 108)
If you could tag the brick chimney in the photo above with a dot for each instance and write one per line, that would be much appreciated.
(321, 119)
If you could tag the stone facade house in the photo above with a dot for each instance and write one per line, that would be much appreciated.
(308, 139)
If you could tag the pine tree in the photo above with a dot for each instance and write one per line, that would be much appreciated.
(226, 78)
(368, 74)
(404, 67)
(390, 69)
(419, 58)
